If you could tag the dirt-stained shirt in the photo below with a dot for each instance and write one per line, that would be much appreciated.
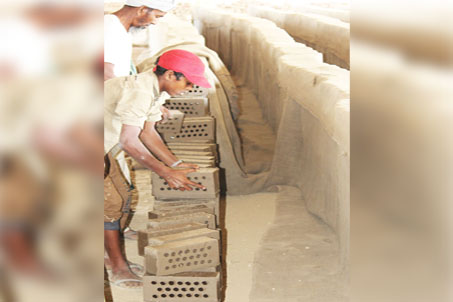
(131, 100)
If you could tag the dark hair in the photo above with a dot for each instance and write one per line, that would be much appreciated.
(160, 70)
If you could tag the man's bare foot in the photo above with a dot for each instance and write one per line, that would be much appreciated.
(125, 279)
(134, 267)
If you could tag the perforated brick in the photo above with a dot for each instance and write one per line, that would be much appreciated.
(191, 107)
(208, 177)
(182, 256)
(194, 130)
(180, 211)
(215, 234)
(196, 91)
(207, 219)
(145, 235)
(173, 125)
(186, 287)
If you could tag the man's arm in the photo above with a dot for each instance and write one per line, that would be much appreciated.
(131, 143)
(152, 140)
(109, 72)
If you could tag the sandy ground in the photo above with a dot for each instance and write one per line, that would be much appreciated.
(243, 233)
(247, 219)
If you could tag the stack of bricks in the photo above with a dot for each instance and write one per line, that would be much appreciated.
(193, 140)
(141, 180)
(182, 242)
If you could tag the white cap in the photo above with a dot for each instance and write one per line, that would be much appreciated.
(163, 5)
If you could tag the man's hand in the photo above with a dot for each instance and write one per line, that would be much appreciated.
(166, 114)
(177, 179)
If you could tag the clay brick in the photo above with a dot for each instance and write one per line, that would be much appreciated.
(205, 158)
(182, 203)
(215, 234)
(200, 217)
(196, 91)
(146, 197)
(192, 153)
(145, 235)
(173, 125)
(214, 202)
(181, 211)
(190, 106)
(193, 146)
(202, 163)
(194, 130)
(212, 269)
(182, 256)
(187, 287)
(195, 157)
(208, 177)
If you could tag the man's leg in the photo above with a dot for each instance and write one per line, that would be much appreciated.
(118, 262)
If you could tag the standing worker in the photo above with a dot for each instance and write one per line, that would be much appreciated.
(134, 15)
(130, 113)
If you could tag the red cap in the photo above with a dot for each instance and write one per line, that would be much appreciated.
(185, 62)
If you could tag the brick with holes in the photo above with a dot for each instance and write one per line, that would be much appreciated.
(180, 211)
(145, 235)
(200, 217)
(173, 125)
(191, 107)
(182, 256)
(188, 287)
(208, 177)
(194, 130)
(196, 91)
(215, 234)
